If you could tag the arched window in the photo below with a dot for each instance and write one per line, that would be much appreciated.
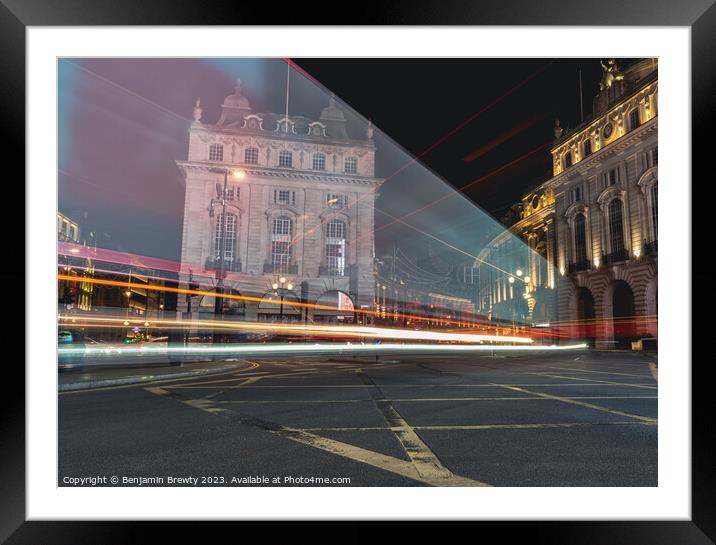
(229, 236)
(281, 234)
(653, 192)
(285, 158)
(634, 119)
(319, 161)
(587, 147)
(216, 152)
(580, 239)
(251, 156)
(336, 247)
(568, 159)
(616, 226)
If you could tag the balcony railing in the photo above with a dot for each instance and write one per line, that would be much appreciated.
(615, 257)
(281, 268)
(229, 266)
(651, 248)
(579, 266)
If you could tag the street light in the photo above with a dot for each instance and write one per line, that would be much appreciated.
(279, 289)
(221, 199)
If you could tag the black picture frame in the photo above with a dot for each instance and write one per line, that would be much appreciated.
(16, 15)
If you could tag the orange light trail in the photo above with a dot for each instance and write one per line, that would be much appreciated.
(317, 330)
(169, 289)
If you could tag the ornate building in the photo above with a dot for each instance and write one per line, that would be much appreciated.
(521, 288)
(301, 212)
(594, 223)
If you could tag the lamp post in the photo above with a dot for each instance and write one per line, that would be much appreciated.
(220, 268)
(279, 289)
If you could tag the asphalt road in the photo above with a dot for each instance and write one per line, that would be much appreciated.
(550, 419)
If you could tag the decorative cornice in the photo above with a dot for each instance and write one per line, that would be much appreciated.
(621, 107)
(581, 168)
(282, 174)
(233, 132)
(537, 217)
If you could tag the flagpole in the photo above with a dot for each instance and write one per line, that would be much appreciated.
(581, 103)
(288, 86)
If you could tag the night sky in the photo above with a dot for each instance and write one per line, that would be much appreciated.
(123, 123)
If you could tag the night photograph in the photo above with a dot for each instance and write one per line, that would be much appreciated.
(357, 272)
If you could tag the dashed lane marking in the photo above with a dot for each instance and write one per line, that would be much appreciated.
(582, 404)
(345, 450)
(654, 370)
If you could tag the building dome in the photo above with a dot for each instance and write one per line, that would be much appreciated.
(332, 111)
(335, 120)
(235, 107)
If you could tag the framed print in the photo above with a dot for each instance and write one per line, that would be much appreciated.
(366, 272)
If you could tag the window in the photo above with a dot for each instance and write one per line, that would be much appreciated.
(232, 193)
(336, 247)
(654, 210)
(282, 225)
(634, 119)
(577, 194)
(470, 275)
(337, 201)
(251, 156)
(587, 148)
(616, 225)
(229, 236)
(611, 177)
(319, 161)
(281, 233)
(580, 239)
(285, 158)
(216, 152)
(351, 165)
(284, 196)
(655, 156)
(568, 159)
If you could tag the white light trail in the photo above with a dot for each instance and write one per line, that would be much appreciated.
(239, 349)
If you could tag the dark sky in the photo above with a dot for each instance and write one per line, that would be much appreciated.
(511, 105)
(123, 123)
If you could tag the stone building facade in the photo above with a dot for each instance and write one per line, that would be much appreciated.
(302, 212)
(516, 276)
(594, 223)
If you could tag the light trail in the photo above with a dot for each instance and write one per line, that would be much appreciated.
(379, 314)
(310, 330)
(492, 144)
(240, 349)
